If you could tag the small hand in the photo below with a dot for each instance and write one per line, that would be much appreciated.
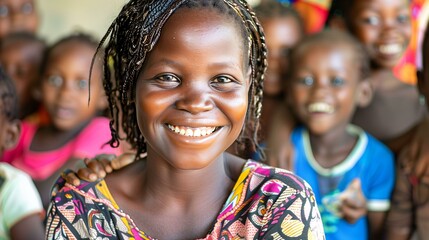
(353, 202)
(98, 167)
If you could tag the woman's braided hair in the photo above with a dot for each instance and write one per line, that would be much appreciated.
(134, 33)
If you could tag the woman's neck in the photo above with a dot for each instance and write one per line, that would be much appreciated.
(173, 187)
(155, 194)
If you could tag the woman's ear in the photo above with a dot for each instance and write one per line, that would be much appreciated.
(12, 133)
(365, 93)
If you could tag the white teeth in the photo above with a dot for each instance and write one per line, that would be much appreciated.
(390, 48)
(320, 107)
(192, 132)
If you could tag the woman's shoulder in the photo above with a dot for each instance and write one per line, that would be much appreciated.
(64, 191)
(272, 176)
(81, 210)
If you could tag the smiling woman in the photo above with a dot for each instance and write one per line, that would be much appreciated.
(185, 93)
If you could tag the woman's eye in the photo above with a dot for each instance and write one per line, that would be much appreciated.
(337, 81)
(4, 11)
(55, 81)
(223, 79)
(82, 84)
(307, 81)
(167, 81)
(224, 83)
(27, 8)
(168, 78)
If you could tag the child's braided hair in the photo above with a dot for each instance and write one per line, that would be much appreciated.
(134, 33)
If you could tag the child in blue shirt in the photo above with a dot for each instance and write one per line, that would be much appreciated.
(351, 172)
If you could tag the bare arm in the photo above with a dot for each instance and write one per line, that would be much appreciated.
(30, 227)
(399, 221)
(415, 155)
(375, 224)
(279, 147)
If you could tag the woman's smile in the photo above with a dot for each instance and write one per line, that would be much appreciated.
(191, 131)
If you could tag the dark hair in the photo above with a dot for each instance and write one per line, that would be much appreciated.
(8, 95)
(269, 9)
(334, 38)
(134, 33)
(75, 37)
(340, 8)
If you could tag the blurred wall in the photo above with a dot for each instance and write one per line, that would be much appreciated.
(61, 17)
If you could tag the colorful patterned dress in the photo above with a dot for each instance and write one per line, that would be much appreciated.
(265, 203)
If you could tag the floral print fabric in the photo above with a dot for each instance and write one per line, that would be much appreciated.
(265, 203)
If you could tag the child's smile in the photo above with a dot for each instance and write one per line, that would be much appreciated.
(321, 107)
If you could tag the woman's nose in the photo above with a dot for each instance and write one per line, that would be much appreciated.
(195, 99)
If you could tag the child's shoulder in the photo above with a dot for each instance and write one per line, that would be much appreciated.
(97, 123)
(376, 146)
(94, 139)
(98, 127)
(8, 173)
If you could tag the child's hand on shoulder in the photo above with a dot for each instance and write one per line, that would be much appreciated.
(353, 202)
(98, 167)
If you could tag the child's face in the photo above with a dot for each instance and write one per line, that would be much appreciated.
(192, 93)
(325, 86)
(17, 16)
(384, 27)
(65, 85)
(21, 61)
(281, 35)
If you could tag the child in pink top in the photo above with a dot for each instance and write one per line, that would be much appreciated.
(75, 131)
(42, 164)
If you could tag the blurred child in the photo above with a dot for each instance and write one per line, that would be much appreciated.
(351, 172)
(409, 213)
(20, 206)
(283, 29)
(18, 16)
(384, 28)
(75, 131)
(21, 56)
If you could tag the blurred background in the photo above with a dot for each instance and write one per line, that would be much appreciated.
(58, 18)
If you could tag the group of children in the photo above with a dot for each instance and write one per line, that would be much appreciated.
(332, 112)
(51, 126)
